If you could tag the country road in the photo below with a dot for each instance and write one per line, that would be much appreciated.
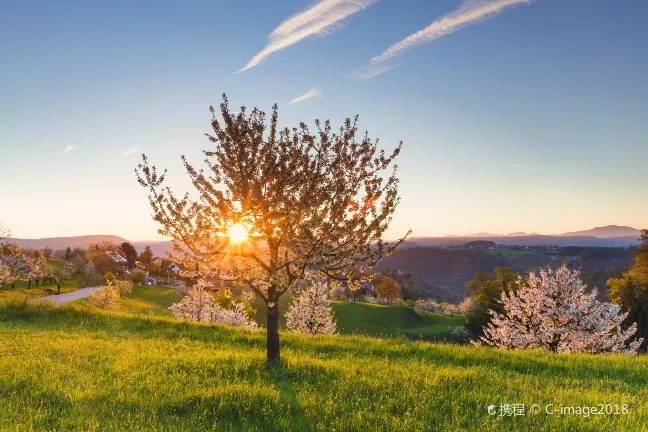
(71, 296)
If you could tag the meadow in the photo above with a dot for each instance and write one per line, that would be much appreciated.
(77, 368)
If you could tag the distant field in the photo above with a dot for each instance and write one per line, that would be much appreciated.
(77, 369)
(378, 320)
(509, 252)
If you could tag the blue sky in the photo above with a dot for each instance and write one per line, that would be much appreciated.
(533, 117)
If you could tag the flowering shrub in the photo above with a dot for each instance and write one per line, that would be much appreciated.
(312, 312)
(450, 309)
(427, 305)
(123, 286)
(337, 293)
(371, 299)
(554, 312)
(460, 334)
(106, 298)
(199, 305)
(468, 306)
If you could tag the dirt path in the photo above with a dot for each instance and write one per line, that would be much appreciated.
(71, 296)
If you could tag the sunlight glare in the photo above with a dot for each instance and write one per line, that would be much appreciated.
(237, 233)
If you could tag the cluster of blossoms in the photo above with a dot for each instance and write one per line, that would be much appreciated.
(105, 298)
(372, 300)
(554, 312)
(199, 305)
(311, 313)
(427, 305)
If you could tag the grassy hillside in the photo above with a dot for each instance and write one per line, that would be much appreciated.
(75, 369)
(378, 320)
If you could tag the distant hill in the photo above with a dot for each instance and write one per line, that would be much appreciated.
(609, 231)
(607, 236)
(60, 243)
(532, 240)
(158, 247)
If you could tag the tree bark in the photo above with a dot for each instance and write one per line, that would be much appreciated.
(58, 287)
(272, 341)
(29, 284)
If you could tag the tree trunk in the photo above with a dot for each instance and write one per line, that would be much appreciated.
(37, 281)
(13, 285)
(29, 284)
(272, 341)
(58, 287)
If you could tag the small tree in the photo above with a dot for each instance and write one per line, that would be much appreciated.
(468, 306)
(427, 305)
(123, 287)
(49, 252)
(554, 312)
(199, 305)
(106, 298)
(450, 309)
(311, 313)
(5, 274)
(65, 270)
(278, 204)
(146, 257)
(388, 290)
(129, 252)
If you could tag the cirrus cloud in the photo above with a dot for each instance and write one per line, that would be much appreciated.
(314, 92)
(471, 12)
(129, 151)
(319, 20)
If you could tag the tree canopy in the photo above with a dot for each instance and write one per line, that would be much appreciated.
(312, 203)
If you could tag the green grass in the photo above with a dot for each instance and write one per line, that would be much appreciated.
(378, 320)
(145, 299)
(77, 369)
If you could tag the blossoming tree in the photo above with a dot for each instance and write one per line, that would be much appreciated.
(106, 298)
(554, 312)
(311, 313)
(274, 204)
(199, 305)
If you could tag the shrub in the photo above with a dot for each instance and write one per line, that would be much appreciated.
(123, 287)
(199, 305)
(138, 276)
(460, 334)
(337, 293)
(311, 313)
(105, 298)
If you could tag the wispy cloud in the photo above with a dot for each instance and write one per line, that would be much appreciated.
(319, 20)
(68, 148)
(373, 70)
(471, 12)
(314, 92)
(129, 151)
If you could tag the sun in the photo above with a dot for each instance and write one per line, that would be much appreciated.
(237, 233)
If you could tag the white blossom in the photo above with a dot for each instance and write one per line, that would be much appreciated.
(427, 305)
(311, 313)
(468, 306)
(199, 305)
(554, 312)
(105, 298)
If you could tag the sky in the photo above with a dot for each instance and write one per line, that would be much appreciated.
(516, 115)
